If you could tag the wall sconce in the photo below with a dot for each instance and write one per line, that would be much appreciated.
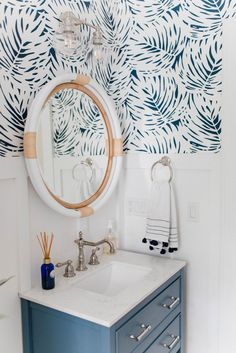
(69, 40)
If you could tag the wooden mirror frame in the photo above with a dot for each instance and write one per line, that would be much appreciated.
(114, 145)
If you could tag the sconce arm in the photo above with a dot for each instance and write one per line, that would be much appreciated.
(85, 23)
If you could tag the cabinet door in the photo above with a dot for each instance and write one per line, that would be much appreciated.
(169, 340)
(55, 332)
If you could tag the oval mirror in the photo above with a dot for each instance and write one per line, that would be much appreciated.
(73, 145)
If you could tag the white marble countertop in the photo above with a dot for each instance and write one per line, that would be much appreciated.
(99, 308)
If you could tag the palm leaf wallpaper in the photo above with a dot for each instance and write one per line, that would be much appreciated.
(163, 70)
(76, 118)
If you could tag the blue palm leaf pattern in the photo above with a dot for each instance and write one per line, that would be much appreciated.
(75, 117)
(204, 17)
(90, 144)
(64, 138)
(157, 47)
(151, 9)
(200, 66)
(160, 141)
(14, 108)
(115, 75)
(163, 71)
(77, 6)
(89, 116)
(152, 103)
(156, 100)
(23, 57)
(64, 127)
(203, 124)
(127, 122)
(26, 3)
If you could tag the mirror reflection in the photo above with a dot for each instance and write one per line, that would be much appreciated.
(71, 145)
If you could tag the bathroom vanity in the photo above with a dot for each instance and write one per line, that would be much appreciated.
(129, 303)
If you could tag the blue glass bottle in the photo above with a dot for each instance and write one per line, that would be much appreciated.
(47, 274)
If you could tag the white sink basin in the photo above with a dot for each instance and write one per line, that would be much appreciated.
(112, 278)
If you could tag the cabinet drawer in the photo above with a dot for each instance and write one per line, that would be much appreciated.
(169, 340)
(129, 336)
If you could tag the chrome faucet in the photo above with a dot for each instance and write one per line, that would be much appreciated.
(81, 243)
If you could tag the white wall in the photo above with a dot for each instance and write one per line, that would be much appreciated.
(228, 238)
(65, 229)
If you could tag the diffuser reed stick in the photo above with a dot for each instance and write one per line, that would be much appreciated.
(45, 242)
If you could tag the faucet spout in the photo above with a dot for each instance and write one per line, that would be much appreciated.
(100, 242)
(81, 243)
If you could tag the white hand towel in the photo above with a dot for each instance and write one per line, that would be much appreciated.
(161, 228)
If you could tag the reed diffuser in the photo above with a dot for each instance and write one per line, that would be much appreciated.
(47, 268)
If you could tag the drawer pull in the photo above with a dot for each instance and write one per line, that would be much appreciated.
(174, 303)
(142, 334)
(173, 343)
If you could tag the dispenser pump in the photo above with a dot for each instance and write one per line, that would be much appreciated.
(110, 236)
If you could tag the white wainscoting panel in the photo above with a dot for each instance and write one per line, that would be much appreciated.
(22, 216)
(14, 250)
(65, 229)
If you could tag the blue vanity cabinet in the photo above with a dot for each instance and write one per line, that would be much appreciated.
(153, 326)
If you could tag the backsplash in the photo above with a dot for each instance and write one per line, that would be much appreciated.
(163, 69)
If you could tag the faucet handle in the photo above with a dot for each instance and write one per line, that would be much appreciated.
(94, 258)
(80, 240)
(69, 270)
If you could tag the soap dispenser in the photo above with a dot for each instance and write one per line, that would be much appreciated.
(110, 236)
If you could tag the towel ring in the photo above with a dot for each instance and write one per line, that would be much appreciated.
(88, 162)
(165, 161)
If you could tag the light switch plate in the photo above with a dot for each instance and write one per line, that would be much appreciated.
(194, 212)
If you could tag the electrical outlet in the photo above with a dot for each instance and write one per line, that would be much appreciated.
(137, 207)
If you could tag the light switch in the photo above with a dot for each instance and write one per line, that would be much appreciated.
(194, 212)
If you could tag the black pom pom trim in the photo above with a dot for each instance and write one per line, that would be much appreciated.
(172, 249)
(154, 242)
